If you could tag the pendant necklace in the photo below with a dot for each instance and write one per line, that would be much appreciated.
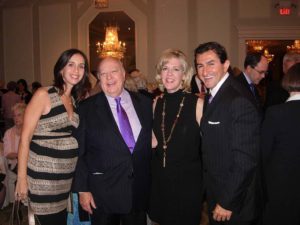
(166, 141)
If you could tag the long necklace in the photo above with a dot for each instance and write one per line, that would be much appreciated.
(166, 141)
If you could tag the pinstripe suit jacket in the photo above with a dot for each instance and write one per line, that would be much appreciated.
(230, 129)
(118, 180)
(244, 83)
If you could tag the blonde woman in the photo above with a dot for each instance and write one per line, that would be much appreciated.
(10, 145)
(176, 196)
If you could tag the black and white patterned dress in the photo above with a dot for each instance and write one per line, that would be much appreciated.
(52, 158)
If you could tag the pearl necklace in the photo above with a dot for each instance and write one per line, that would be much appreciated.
(166, 141)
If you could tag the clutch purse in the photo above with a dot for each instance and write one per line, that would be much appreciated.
(16, 215)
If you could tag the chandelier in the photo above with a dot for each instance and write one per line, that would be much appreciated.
(268, 55)
(99, 4)
(295, 47)
(257, 45)
(260, 46)
(111, 46)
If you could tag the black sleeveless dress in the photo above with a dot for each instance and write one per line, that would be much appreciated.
(176, 194)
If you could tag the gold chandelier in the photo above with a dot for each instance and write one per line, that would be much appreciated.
(260, 46)
(295, 47)
(99, 4)
(111, 46)
(257, 45)
(268, 55)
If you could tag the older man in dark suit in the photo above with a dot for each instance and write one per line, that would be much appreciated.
(230, 141)
(113, 170)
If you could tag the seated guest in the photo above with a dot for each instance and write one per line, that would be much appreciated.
(9, 99)
(281, 155)
(2, 178)
(10, 144)
(22, 90)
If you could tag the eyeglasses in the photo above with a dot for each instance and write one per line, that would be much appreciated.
(261, 72)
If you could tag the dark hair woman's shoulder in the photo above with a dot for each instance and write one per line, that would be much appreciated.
(89, 101)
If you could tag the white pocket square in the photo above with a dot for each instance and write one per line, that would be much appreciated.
(214, 123)
(98, 173)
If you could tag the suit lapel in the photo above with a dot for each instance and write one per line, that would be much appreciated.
(138, 109)
(103, 110)
(245, 83)
(211, 106)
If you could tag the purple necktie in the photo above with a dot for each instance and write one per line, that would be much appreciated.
(210, 98)
(253, 89)
(124, 125)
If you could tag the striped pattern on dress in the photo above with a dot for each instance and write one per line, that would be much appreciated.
(52, 158)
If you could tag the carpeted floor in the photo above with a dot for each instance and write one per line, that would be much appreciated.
(5, 215)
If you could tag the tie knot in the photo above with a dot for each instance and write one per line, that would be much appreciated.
(118, 100)
(252, 87)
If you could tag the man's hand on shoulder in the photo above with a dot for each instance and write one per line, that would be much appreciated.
(221, 214)
(86, 201)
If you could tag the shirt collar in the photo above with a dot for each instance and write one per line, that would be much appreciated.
(294, 97)
(247, 78)
(124, 97)
(214, 90)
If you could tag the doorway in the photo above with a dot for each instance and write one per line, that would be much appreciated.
(126, 34)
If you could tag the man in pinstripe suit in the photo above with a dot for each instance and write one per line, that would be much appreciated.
(112, 174)
(230, 142)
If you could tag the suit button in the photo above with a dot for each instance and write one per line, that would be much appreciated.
(205, 170)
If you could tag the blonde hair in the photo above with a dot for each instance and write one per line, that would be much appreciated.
(130, 84)
(291, 81)
(19, 107)
(164, 59)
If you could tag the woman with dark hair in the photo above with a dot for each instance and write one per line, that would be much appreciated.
(22, 90)
(47, 149)
(281, 155)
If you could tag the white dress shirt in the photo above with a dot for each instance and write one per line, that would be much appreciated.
(127, 104)
(214, 90)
